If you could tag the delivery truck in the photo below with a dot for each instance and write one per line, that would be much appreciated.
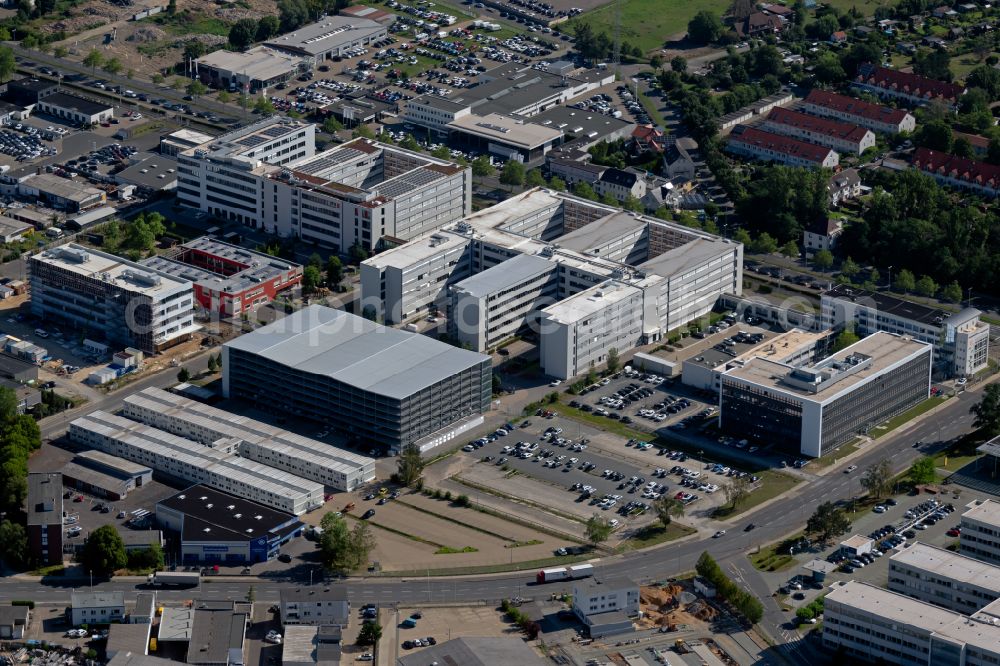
(174, 578)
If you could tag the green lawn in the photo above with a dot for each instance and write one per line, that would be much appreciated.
(600, 422)
(649, 23)
(954, 463)
(768, 559)
(837, 454)
(773, 485)
(651, 109)
(866, 7)
(907, 416)
(654, 534)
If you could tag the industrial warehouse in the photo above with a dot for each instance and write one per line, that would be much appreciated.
(191, 462)
(214, 526)
(258, 441)
(381, 385)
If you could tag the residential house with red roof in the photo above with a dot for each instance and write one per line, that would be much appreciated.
(647, 139)
(769, 147)
(959, 172)
(836, 134)
(906, 87)
(875, 117)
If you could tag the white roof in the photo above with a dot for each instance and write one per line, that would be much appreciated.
(986, 512)
(946, 564)
(98, 265)
(590, 301)
(507, 129)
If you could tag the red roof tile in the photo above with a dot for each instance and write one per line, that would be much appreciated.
(782, 144)
(832, 128)
(913, 84)
(957, 167)
(855, 107)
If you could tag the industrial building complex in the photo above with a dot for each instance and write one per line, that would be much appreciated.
(585, 276)
(268, 176)
(106, 296)
(379, 385)
(813, 409)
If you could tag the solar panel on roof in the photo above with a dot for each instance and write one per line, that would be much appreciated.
(251, 141)
(275, 132)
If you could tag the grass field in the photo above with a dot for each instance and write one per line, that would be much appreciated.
(866, 7)
(649, 23)
(774, 484)
(837, 454)
(907, 416)
(655, 534)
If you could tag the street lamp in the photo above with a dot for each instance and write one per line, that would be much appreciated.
(889, 287)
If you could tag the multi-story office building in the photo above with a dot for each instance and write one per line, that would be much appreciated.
(45, 517)
(90, 607)
(192, 462)
(380, 385)
(107, 296)
(980, 536)
(681, 272)
(871, 624)
(961, 341)
(841, 136)
(944, 578)
(578, 332)
(884, 119)
(766, 146)
(605, 605)
(223, 177)
(315, 605)
(260, 442)
(814, 409)
(491, 307)
(358, 193)
(228, 280)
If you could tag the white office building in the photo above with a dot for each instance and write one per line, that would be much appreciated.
(605, 606)
(944, 578)
(192, 462)
(961, 340)
(980, 536)
(315, 605)
(257, 441)
(90, 607)
(870, 624)
(489, 269)
(107, 296)
(268, 176)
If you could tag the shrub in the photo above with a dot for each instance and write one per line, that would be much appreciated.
(447, 495)
(23, 602)
(462, 500)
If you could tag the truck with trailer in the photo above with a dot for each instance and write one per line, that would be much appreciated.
(174, 578)
(563, 573)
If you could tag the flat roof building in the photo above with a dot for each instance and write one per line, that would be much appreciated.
(150, 173)
(127, 302)
(62, 193)
(475, 651)
(129, 638)
(315, 605)
(507, 136)
(870, 624)
(104, 475)
(309, 458)
(944, 578)
(75, 109)
(181, 140)
(305, 645)
(218, 636)
(189, 461)
(45, 517)
(96, 607)
(228, 279)
(249, 71)
(980, 537)
(813, 409)
(961, 340)
(328, 38)
(375, 383)
(217, 527)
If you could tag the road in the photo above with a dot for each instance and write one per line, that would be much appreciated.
(774, 521)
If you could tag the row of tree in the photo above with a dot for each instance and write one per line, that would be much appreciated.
(341, 548)
(745, 603)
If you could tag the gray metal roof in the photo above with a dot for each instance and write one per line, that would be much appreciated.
(689, 256)
(475, 651)
(350, 349)
(505, 274)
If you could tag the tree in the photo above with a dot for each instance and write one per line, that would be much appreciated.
(934, 134)
(512, 174)
(905, 281)
(790, 249)
(828, 521)
(356, 254)
(922, 471)
(667, 508)
(849, 268)
(196, 88)
(193, 49)
(370, 633)
(705, 27)
(104, 551)
(93, 59)
(933, 64)
(334, 271)
(263, 105)
(823, 260)
(985, 78)
(362, 132)
(14, 545)
(987, 411)
(481, 167)
(558, 184)
(113, 66)
(212, 366)
(764, 244)
(171, 7)
(613, 361)
(60, 52)
(845, 339)
(224, 96)
(242, 33)
(267, 27)
(952, 292)
(332, 125)
(311, 279)
(410, 465)
(441, 152)
(678, 64)
(183, 375)
(743, 236)
(7, 63)
(315, 260)
(157, 79)
(598, 529)
(583, 190)
(410, 143)
(736, 490)
(877, 479)
(828, 68)
(926, 286)
(534, 178)
(251, 594)
(147, 558)
(656, 62)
